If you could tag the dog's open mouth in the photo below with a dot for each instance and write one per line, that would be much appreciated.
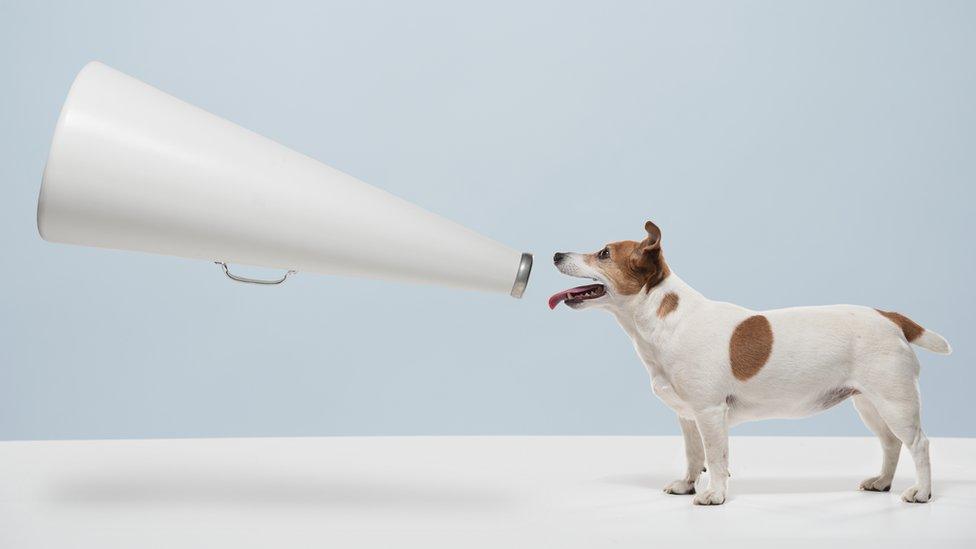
(578, 294)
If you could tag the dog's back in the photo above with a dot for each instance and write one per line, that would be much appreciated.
(819, 356)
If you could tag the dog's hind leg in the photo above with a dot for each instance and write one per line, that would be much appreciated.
(890, 445)
(714, 428)
(897, 402)
(903, 419)
(694, 455)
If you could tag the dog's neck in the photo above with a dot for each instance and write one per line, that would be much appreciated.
(648, 316)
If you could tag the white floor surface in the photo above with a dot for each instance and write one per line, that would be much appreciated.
(464, 492)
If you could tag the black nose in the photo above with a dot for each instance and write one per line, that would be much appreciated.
(558, 258)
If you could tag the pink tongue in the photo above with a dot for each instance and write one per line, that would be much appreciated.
(558, 298)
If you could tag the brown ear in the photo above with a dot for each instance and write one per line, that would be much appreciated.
(648, 258)
(653, 240)
(649, 250)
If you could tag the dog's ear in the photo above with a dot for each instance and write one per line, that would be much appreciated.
(648, 258)
(648, 252)
(653, 240)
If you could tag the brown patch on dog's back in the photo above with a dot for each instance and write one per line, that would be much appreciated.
(750, 346)
(668, 304)
(909, 327)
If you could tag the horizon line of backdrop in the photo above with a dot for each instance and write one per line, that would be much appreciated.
(795, 153)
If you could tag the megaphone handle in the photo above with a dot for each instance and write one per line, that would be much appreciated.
(245, 280)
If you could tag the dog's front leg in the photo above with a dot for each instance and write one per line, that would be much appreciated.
(694, 455)
(713, 425)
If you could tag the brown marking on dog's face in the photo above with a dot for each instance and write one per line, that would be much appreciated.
(668, 304)
(750, 346)
(631, 266)
(909, 327)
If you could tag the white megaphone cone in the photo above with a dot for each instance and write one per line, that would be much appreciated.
(133, 168)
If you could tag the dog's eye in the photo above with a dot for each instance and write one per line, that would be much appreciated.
(604, 253)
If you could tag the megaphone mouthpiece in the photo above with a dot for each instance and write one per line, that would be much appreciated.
(522, 277)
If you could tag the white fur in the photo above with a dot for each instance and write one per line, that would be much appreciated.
(816, 352)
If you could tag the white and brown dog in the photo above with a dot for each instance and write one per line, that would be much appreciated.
(717, 364)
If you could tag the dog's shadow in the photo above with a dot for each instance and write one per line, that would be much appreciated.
(758, 485)
(768, 485)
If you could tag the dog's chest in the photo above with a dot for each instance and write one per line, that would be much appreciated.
(649, 356)
(653, 359)
(655, 344)
(654, 347)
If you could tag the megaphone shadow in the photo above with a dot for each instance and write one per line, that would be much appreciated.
(186, 488)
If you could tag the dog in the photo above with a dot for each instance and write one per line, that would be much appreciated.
(718, 364)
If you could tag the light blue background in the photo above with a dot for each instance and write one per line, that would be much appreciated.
(793, 153)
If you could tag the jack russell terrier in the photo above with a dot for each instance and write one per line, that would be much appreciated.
(717, 364)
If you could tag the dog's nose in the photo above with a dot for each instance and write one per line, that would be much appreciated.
(558, 258)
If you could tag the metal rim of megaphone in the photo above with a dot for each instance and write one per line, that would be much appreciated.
(522, 277)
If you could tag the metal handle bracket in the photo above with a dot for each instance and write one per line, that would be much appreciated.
(245, 280)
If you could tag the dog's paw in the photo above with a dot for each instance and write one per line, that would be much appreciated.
(916, 495)
(710, 497)
(680, 487)
(875, 484)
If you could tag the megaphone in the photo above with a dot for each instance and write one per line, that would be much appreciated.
(134, 168)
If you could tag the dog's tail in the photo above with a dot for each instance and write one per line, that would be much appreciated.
(914, 333)
(933, 342)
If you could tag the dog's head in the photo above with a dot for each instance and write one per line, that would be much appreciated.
(622, 271)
